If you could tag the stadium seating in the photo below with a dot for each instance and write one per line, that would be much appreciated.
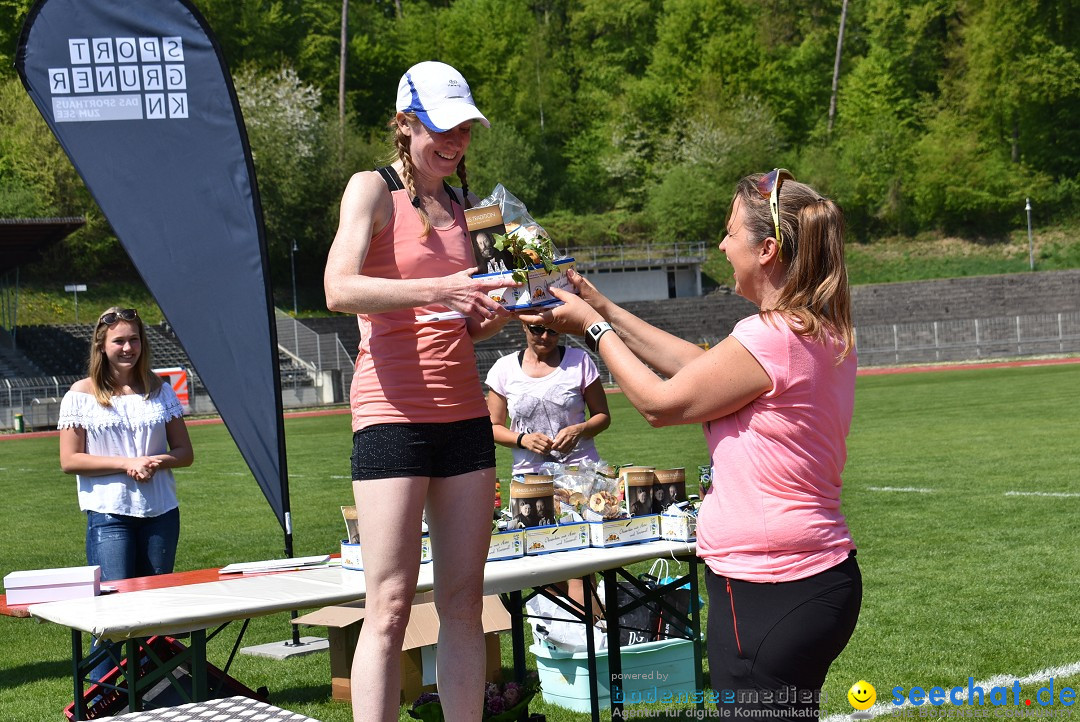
(62, 350)
(56, 350)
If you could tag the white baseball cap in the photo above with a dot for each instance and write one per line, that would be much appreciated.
(438, 95)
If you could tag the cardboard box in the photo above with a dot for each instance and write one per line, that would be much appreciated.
(353, 560)
(638, 499)
(507, 545)
(484, 223)
(556, 538)
(417, 651)
(678, 527)
(535, 292)
(532, 502)
(617, 532)
(52, 585)
(672, 485)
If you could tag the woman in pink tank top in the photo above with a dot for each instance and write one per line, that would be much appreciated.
(402, 261)
(775, 399)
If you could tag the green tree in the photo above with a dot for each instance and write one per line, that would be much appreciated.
(965, 182)
(292, 151)
(38, 180)
(886, 98)
(711, 151)
(1018, 77)
(605, 157)
(264, 32)
(505, 157)
(12, 15)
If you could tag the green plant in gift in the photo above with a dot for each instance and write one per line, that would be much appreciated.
(501, 704)
(536, 251)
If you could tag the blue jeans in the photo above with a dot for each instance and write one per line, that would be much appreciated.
(130, 546)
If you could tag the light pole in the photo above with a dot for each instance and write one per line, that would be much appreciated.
(1031, 246)
(293, 259)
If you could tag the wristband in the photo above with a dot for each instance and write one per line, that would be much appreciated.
(595, 332)
(520, 437)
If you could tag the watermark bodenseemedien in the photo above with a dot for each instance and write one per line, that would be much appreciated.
(721, 697)
(964, 701)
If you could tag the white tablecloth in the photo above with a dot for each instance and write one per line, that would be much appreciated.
(176, 610)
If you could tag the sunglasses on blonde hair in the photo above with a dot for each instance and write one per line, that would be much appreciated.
(124, 314)
(769, 187)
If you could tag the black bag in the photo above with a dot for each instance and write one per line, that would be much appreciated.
(670, 625)
(639, 625)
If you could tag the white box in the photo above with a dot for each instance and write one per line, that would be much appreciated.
(506, 545)
(556, 538)
(678, 527)
(52, 585)
(535, 292)
(353, 560)
(616, 532)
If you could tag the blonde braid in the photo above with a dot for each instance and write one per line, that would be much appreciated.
(463, 176)
(401, 142)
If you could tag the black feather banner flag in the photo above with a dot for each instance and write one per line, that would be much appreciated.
(138, 95)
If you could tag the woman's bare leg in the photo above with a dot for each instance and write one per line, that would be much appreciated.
(459, 511)
(389, 513)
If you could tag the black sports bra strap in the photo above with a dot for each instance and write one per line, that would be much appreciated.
(450, 191)
(391, 178)
(393, 182)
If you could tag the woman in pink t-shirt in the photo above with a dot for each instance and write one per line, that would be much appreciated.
(775, 399)
(402, 260)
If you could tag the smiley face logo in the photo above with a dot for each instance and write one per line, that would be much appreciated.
(862, 695)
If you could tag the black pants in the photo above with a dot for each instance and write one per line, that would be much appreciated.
(771, 644)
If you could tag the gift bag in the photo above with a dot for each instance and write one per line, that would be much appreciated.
(669, 626)
(639, 625)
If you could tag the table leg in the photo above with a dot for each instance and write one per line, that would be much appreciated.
(77, 658)
(199, 686)
(590, 647)
(514, 604)
(611, 604)
(131, 674)
(695, 628)
(517, 634)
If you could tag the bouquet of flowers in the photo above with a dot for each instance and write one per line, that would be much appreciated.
(527, 250)
(501, 704)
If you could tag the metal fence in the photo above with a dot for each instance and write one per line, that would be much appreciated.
(316, 370)
(323, 354)
(970, 339)
(36, 400)
(644, 253)
(321, 366)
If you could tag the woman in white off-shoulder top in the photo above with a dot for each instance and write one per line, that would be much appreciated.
(121, 433)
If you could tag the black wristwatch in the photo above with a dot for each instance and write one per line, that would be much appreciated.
(594, 332)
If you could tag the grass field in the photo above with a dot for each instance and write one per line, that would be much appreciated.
(961, 489)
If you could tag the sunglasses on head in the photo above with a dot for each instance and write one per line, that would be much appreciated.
(769, 187)
(124, 314)
(541, 330)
